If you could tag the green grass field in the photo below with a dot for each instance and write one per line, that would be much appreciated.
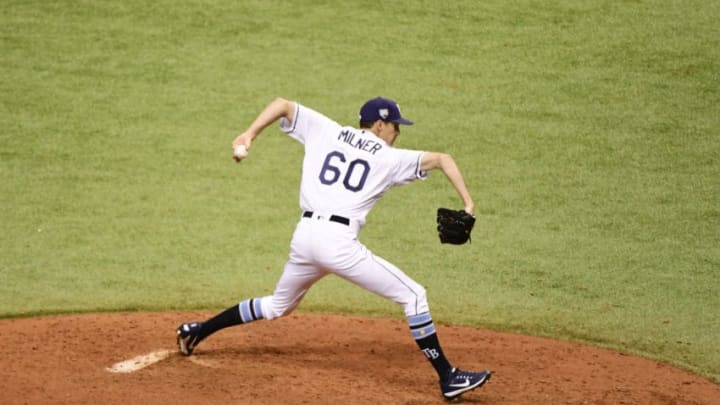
(587, 132)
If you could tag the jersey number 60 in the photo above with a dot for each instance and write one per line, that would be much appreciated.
(356, 172)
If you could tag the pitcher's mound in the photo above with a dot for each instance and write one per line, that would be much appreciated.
(312, 359)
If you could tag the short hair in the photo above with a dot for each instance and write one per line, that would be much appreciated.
(368, 124)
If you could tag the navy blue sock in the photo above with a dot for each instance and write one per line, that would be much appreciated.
(247, 311)
(423, 331)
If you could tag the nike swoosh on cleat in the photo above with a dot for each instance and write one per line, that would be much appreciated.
(463, 385)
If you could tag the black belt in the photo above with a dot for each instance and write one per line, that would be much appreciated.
(334, 218)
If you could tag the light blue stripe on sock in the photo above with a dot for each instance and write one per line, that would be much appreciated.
(419, 319)
(423, 332)
(245, 311)
(258, 308)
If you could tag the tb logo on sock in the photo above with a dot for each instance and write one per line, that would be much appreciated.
(431, 354)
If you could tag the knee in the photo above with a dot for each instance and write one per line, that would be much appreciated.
(273, 309)
(416, 302)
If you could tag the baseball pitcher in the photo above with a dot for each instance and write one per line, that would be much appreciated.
(345, 171)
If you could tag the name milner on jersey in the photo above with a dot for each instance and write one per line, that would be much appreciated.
(366, 145)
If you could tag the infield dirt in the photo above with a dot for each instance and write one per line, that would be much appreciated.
(315, 359)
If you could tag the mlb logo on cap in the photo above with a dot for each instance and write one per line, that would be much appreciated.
(382, 109)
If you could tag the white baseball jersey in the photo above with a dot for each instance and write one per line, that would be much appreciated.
(346, 170)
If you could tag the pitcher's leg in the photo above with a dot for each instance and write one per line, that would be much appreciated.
(294, 283)
(423, 331)
(289, 291)
(383, 278)
(246, 311)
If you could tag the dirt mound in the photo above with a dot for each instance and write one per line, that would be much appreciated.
(313, 359)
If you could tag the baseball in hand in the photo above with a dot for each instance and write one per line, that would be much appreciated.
(240, 152)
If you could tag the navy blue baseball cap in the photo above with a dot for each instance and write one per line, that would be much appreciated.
(382, 109)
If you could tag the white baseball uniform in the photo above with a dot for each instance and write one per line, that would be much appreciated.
(345, 172)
